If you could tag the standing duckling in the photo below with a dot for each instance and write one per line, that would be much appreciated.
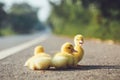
(40, 60)
(78, 55)
(64, 59)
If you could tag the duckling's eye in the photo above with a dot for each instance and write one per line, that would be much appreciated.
(82, 39)
(69, 47)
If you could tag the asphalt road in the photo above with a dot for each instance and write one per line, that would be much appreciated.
(101, 62)
(10, 41)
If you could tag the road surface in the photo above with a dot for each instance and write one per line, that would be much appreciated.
(9, 41)
(101, 62)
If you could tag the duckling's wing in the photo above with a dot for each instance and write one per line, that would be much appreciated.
(59, 61)
(42, 62)
(70, 60)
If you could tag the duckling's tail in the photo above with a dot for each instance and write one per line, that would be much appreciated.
(26, 64)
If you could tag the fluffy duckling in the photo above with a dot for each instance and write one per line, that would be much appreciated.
(40, 60)
(78, 55)
(64, 59)
(39, 51)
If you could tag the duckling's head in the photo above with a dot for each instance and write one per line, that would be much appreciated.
(67, 47)
(78, 40)
(38, 50)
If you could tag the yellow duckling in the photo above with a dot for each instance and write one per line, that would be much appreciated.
(78, 55)
(39, 51)
(40, 60)
(64, 59)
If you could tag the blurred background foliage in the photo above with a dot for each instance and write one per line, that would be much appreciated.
(23, 17)
(20, 19)
(92, 18)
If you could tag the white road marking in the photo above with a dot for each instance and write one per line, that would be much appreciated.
(7, 52)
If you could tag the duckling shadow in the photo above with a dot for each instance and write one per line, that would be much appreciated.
(89, 67)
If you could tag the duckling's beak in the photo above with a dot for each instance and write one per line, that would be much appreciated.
(73, 50)
(81, 42)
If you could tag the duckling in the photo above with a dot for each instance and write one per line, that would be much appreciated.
(39, 50)
(64, 59)
(40, 60)
(78, 55)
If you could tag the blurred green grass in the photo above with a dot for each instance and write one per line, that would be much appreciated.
(90, 31)
(70, 19)
(7, 31)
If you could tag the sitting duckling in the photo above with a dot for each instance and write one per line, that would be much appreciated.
(40, 60)
(64, 59)
(39, 50)
(78, 55)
